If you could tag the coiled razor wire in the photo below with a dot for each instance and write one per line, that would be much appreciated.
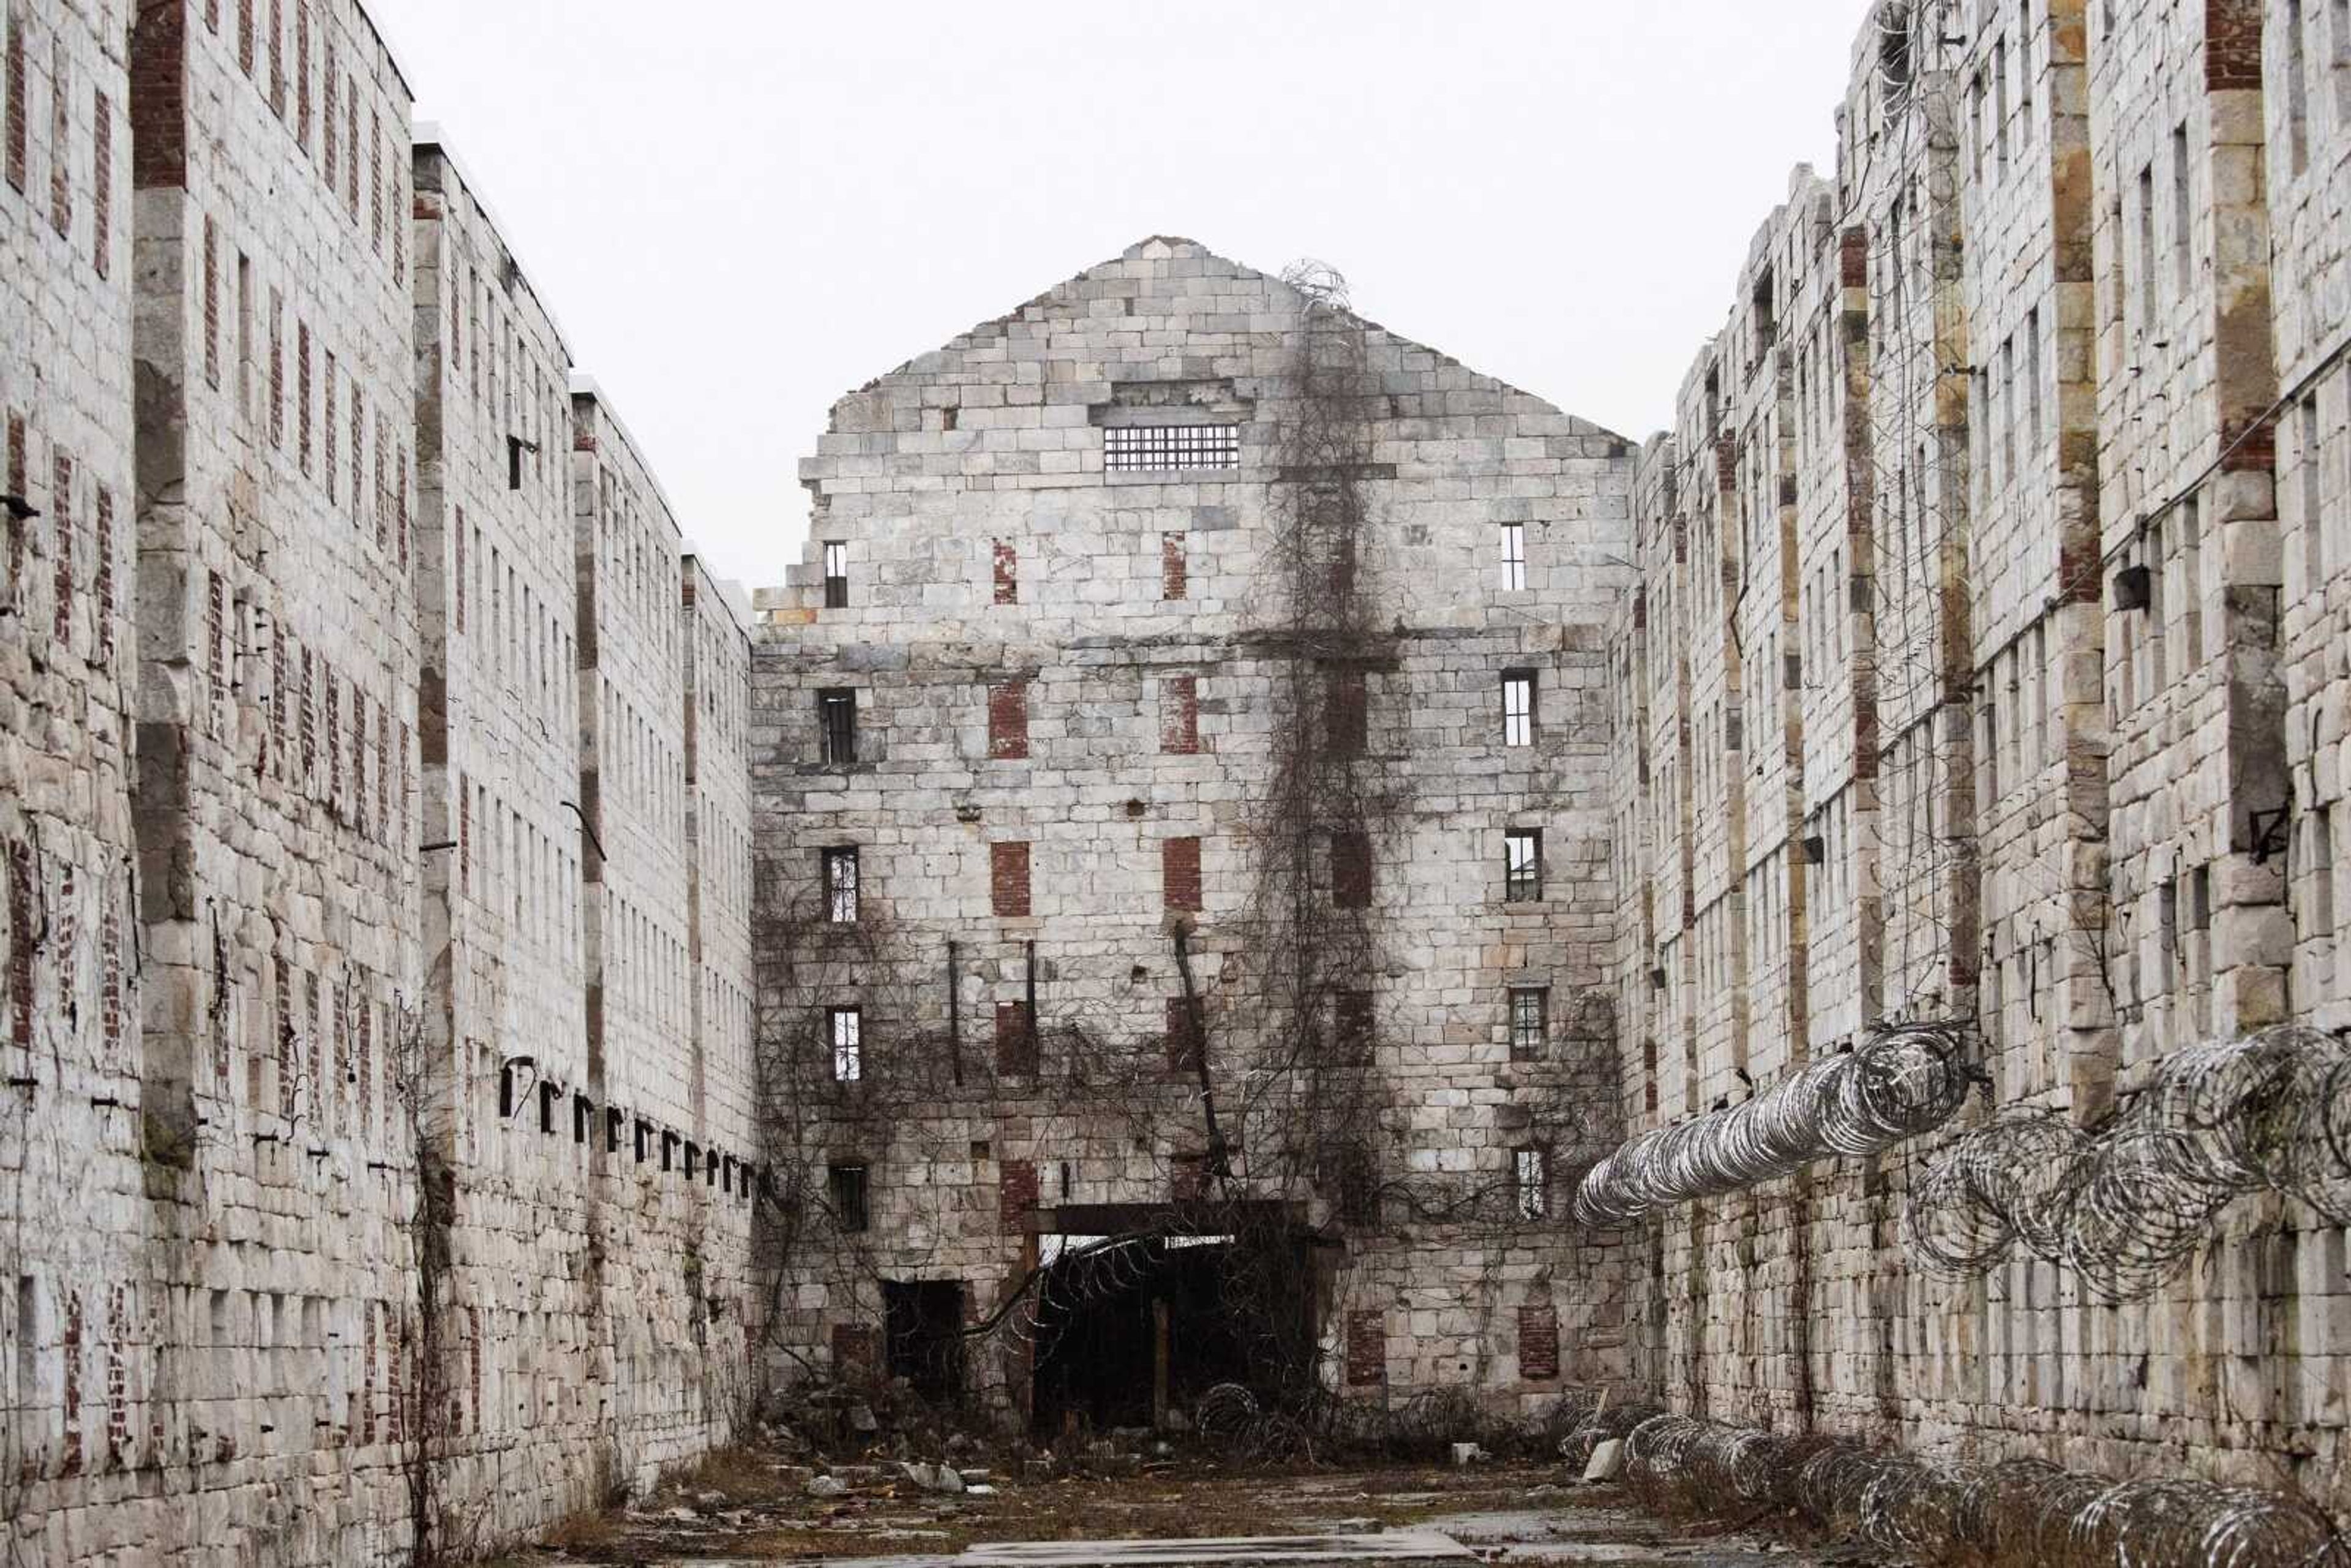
(1907, 1078)
(2021, 1512)
(2125, 1202)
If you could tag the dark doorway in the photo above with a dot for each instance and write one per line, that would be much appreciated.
(923, 1321)
(1128, 1331)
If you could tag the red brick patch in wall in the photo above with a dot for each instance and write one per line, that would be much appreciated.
(1179, 872)
(2233, 44)
(102, 585)
(1538, 1342)
(72, 1463)
(1008, 720)
(1007, 878)
(1179, 713)
(1016, 1193)
(1008, 574)
(1171, 582)
(1367, 1348)
(1345, 711)
(140, 66)
(1016, 1042)
(24, 941)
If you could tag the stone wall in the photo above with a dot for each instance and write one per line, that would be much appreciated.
(302, 1199)
(2059, 647)
(1075, 685)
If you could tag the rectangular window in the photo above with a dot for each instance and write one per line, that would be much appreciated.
(2298, 86)
(1345, 711)
(2146, 271)
(1517, 708)
(1179, 715)
(2183, 213)
(841, 886)
(244, 336)
(836, 574)
(1183, 1039)
(2033, 407)
(1351, 1023)
(1529, 1028)
(846, 1028)
(1530, 1174)
(1514, 555)
(1522, 865)
(836, 709)
(844, 1188)
(1351, 870)
(1153, 449)
(1016, 1040)
(2322, 873)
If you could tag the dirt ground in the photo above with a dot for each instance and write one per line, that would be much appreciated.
(750, 1506)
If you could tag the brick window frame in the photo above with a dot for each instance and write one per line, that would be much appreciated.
(1016, 1040)
(1367, 1348)
(1538, 1341)
(1008, 721)
(1007, 879)
(1179, 715)
(1179, 874)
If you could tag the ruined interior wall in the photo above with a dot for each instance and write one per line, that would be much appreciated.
(1081, 665)
(2053, 788)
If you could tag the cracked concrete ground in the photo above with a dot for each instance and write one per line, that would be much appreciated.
(746, 1508)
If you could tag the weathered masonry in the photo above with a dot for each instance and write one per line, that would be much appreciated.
(1181, 776)
(344, 1201)
(1986, 663)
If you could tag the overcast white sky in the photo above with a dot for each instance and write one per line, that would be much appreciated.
(741, 209)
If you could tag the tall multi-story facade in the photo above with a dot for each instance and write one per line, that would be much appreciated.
(303, 1206)
(1180, 764)
(2044, 378)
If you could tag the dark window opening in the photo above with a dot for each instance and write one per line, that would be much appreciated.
(1522, 865)
(841, 885)
(1347, 711)
(1182, 1040)
(1351, 870)
(1016, 1040)
(923, 1323)
(1350, 1023)
(837, 719)
(844, 1188)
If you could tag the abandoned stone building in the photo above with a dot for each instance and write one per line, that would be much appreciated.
(373, 790)
(1182, 772)
(1244, 852)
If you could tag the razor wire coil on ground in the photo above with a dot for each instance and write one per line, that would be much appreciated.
(1906, 1079)
(2017, 1513)
(2125, 1202)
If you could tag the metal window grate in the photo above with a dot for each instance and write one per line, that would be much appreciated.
(846, 1025)
(1527, 1006)
(1143, 448)
(841, 886)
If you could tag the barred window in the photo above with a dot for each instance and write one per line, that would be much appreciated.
(1522, 865)
(841, 886)
(1143, 448)
(1517, 708)
(845, 1188)
(1514, 555)
(847, 1029)
(1531, 1169)
(1530, 1006)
